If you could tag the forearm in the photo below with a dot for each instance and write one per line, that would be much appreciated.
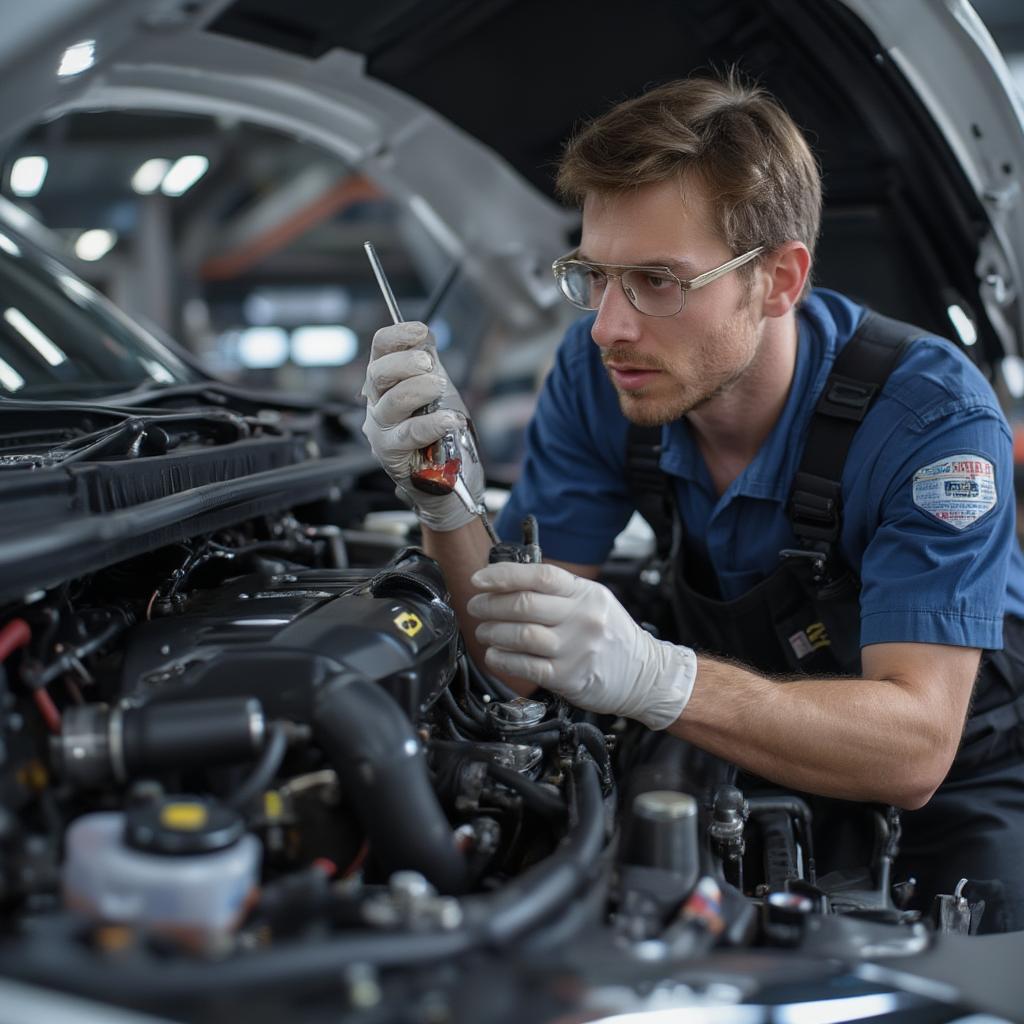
(460, 553)
(858, 739)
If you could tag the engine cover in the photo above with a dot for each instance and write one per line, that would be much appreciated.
(278, 637)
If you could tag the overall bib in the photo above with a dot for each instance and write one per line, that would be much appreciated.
(804, 619)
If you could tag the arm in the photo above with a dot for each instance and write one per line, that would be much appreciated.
(890, 736)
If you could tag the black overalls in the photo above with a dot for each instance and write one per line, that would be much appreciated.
(805, 619)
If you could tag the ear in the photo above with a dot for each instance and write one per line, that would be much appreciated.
(786, 269)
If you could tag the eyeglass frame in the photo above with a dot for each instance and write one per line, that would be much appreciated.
(685, 284)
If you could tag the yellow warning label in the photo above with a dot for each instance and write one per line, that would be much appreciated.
(183, 817)
(408, 623)
(818, 635)
(273, 805)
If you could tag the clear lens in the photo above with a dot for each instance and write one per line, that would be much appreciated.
(650, 292)
(653, 293)
(582, 285)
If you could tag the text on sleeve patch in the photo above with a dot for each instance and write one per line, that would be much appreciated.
(957, 490)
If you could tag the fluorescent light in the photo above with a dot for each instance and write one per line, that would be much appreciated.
(34, 336)
(9, 377)
(148, 177)
(963, 324)
(185, 172)
(27, 175)
(324, 345)
(1013, 375)
(94, 245)
(263, 348)
(8, 246)
(77, 58)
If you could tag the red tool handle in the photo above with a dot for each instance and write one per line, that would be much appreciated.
(436, 468)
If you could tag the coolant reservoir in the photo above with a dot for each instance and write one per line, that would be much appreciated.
(181, 866)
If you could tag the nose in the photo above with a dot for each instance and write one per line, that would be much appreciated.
(618, 320)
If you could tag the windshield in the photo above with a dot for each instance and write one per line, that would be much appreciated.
(59, 339)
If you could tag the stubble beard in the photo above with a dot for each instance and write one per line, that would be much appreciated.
(645, 408)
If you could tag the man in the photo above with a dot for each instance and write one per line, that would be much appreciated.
(873, 538)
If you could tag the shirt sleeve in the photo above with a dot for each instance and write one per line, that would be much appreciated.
(935, 564)
(573, 474)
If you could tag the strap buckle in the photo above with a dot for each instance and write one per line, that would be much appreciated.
(814, 507)
(847, 398)
(818, 560)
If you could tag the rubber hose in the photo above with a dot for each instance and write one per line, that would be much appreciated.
(373, 747)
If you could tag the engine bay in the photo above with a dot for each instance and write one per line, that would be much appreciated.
(257, 766)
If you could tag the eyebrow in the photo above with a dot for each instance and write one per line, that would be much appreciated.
(682, 268)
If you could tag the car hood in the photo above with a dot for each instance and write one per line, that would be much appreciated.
(459, 110)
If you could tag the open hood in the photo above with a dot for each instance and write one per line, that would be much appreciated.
(459, 109)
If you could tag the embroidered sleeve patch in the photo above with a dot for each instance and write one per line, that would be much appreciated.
(958, 490)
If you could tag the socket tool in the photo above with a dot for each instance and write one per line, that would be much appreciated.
(437, 468)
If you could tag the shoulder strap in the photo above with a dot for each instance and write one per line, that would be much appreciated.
(815, 508)
(649, 486)
(859, 374)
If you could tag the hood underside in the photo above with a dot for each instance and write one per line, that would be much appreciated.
(460, 109)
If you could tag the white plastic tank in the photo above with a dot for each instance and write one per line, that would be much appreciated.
(180, 866)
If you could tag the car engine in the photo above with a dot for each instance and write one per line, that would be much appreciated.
(243, 767)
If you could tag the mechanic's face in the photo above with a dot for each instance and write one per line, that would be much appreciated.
(664, 367)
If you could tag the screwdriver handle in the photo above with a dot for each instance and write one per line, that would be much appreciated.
(435, 468)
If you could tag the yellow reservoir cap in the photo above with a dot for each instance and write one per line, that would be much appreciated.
(184, 817)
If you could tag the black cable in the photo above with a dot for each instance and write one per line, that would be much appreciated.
(266, 768)
(592, 739)
(534, 796)
(459, 717)
(494, 688)
(473, 709)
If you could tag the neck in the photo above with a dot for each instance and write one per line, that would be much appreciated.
(731, 428)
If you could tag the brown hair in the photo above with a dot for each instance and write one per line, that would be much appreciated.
(753, 161)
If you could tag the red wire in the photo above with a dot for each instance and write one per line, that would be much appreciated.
(358, 862)
(51, 716)
(13, 635)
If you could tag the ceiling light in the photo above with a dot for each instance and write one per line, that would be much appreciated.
(94, 245)
(27, 175)
(963, 323)
(148, 177)
(10, 378)
(77, 58)
(34, 336)
(184, 174)
(1013, 375)
(324, 345)
(263, 348)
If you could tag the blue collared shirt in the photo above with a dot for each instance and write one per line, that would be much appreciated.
(928, 574)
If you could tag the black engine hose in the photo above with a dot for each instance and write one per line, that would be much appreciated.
(545, 888)
(534, 796)
(373, 747)
(266, 768)
(493, 920)
(463, 722)
(593, 739)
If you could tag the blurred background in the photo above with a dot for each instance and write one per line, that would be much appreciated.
(245, 246)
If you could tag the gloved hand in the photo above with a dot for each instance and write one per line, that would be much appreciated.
(403, 375)
(571, 636)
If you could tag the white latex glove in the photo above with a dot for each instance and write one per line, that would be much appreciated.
(403, 375)
(571, 636)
